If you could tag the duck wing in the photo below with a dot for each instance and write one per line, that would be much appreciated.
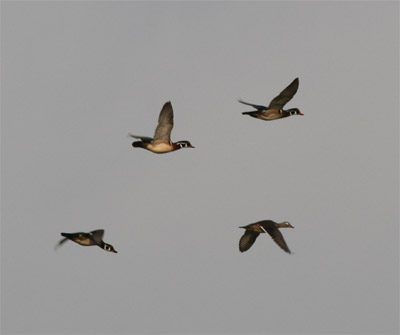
(143, 138)
(247, 240)
(61, 242)
(165, 124)
(258, 107)
(279, 101)
(97, 235)
(277, 237)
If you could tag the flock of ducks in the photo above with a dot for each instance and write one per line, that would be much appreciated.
(161, 143)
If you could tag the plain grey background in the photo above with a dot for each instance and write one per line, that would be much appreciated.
(78, 76)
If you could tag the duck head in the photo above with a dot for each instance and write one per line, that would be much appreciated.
(295, 111)
(285, 225)
(109, 247)
(184, 144)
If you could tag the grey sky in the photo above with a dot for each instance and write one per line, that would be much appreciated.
(77, 77)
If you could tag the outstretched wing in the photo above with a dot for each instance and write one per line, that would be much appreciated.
(97, 235)
(283, 97)
(247, 240)
(143, 138)
(258, 107)
(165, 124)
(59, 244)
(277, 237)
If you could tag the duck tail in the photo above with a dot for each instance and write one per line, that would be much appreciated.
(138, 144)
(251, 113)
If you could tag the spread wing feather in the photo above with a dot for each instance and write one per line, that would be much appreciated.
(143, 138)
(247, 240)
(165, 124)
(283, 97)
(97, 235)
(258, 107)
(277, 237)
(61, 242)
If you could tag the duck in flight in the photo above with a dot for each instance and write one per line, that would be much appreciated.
(95, 237)
(266, 226)
(161, 143)
(275, 109)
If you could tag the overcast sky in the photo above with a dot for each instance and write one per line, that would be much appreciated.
(78, 76)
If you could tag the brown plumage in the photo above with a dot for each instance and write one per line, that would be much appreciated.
(266, 226)
(275, 109)
(161, 143)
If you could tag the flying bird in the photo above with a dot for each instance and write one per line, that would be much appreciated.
(95, 237)
(275, 109)
(266, 226)
(161, 143)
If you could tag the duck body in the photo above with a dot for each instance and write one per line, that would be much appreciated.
(269, 114)
(253, 230)
(94, 237)
(161, 142)
(160, 147)
(275, 109)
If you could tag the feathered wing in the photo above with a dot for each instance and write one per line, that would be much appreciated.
(165, 124)
(59, 244)
(258, 107)
(97, 235)
(277, 237)
(247, 240)
(143, 138)
(285, 96)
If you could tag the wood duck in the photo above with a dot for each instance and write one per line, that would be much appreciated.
(275, 109)
(95, 237)
(266, 226)
(161, 143)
